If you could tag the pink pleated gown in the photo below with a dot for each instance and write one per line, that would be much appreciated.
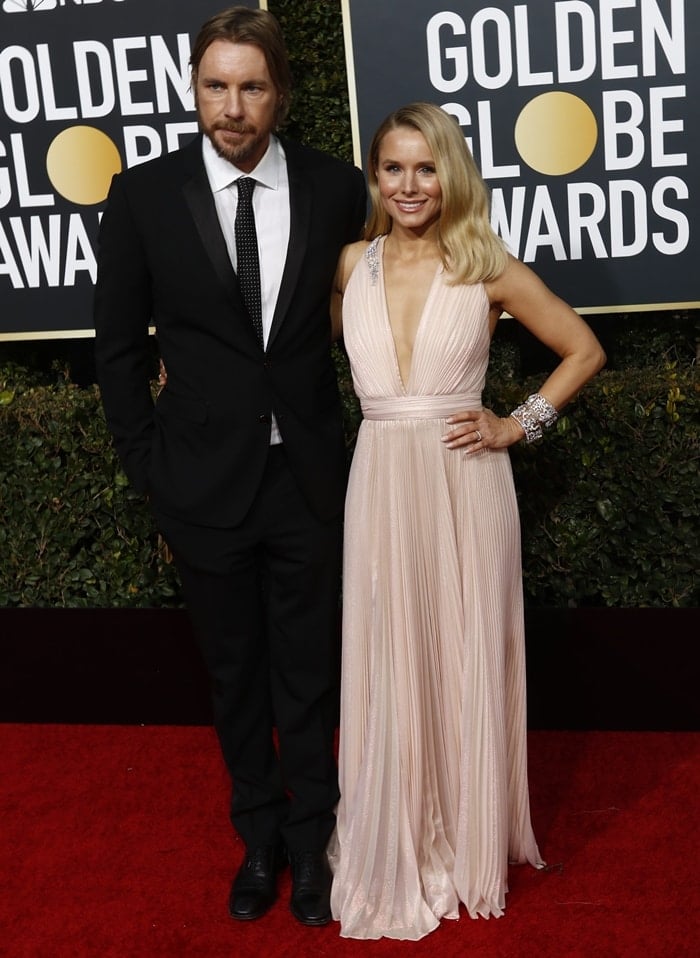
(433, 764)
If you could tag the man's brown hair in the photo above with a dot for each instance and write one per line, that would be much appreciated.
(258, 27)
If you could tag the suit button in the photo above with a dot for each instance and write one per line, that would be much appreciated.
(265, 419)
(267, 364)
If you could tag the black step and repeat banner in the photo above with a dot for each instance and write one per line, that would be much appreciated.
(583, 116)
(87, 88)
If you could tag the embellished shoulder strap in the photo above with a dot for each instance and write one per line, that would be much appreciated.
(372, 257)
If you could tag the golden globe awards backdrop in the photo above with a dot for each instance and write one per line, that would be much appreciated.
(87, 88)
(583, 117)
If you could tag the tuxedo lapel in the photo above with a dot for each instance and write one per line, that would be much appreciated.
(299, 226)
(201, 204)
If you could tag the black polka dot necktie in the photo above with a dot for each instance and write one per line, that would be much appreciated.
(247, 253)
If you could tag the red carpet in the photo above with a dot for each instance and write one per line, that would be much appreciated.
(115, 844)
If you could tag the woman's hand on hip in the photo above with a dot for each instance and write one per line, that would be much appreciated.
(476, 429)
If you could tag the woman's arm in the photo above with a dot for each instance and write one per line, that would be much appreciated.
(553, 322)
(520, 292)
(347, 261)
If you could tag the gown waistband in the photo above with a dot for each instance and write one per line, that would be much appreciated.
(418, 407)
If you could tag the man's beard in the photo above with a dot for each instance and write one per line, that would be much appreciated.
(237, 153)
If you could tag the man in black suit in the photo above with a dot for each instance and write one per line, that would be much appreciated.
(242, 456)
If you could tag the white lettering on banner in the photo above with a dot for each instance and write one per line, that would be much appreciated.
(611, 38)
(581, 223)
(41, 6)
(500, 49)
(678, 186)
(126, 76)
(624, 137)
(24, 67)
(456, 54)
(564, 19)
(165, 68)
(27, 79)
(153, 143)
(627, 193)
(108, 80)
(489, 168)
(79, 253)
(549, 237)
(671, 39)
(619, 186)
(41, 257)
(503, 58)
(659, 126)
(26, 198)
(87, 52)
(486, 141)
(140, 143)
(605, 45)
(617, 130)
(529, 220)
(522, 53)
(5, 184)
(52, 111)
(72, 109)
(8, 261)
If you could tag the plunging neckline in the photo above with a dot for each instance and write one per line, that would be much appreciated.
(387, 319)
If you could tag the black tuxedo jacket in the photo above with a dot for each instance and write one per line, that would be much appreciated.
(200, 450)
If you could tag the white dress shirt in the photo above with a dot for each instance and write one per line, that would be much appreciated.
(272, 219)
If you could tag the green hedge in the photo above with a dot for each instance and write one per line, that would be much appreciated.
(609, 501)
(72, 533)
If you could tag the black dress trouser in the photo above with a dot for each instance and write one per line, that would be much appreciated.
(263, 599)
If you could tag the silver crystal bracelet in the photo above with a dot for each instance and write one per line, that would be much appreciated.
(535, 414)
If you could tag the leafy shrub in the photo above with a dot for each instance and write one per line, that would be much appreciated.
(320, 112)
(610, 502)
(609, 499)
(72, 533)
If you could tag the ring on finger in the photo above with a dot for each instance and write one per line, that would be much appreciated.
(478, 435)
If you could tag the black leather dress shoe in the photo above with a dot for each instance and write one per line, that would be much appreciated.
(311, 888)
(254, 888)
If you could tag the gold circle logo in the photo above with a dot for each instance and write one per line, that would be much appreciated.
(556, 133)
(81, 162)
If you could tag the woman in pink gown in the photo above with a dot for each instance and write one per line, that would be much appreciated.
(433, 764)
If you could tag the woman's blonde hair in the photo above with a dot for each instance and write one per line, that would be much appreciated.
(470, 249)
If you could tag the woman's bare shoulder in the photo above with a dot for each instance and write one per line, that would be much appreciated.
(349, 258)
